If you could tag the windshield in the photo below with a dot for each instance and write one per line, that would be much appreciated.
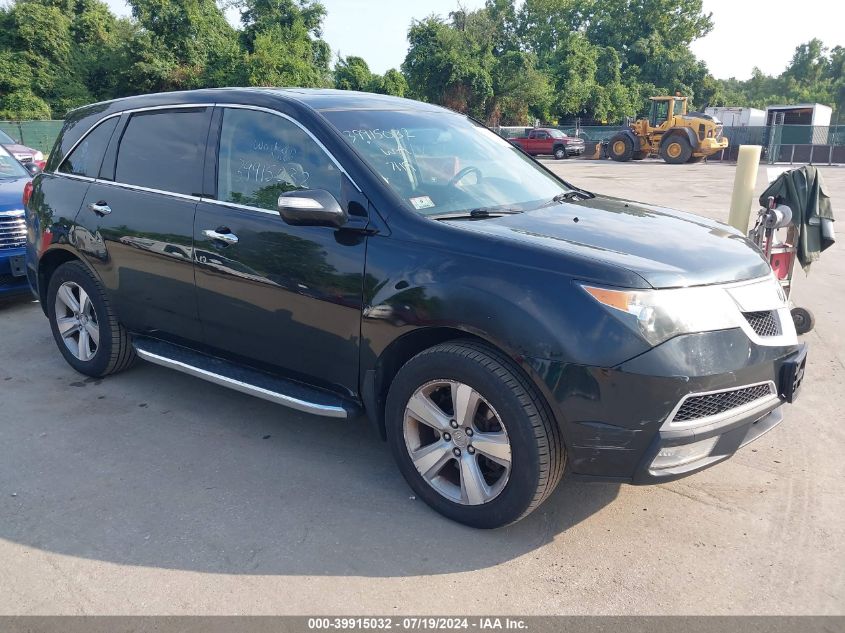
(10, 167)
(556, 134)
(441, 163)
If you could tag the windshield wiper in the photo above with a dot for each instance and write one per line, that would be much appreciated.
(480, 212)
(571, 194)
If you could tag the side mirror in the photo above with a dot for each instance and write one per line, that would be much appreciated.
(32, 168)
(311, 207)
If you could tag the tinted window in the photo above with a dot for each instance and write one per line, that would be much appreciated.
(164, 150)
(263, 155)
(86, 158)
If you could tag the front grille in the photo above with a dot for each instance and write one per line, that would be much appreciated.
(696, 407)
(763, 323)
(12, 231)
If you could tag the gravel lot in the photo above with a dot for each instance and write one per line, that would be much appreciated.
(155, 493)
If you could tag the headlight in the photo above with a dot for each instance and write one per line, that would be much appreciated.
(658, 315)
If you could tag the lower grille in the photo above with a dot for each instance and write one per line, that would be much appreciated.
(763, 323)
(12, 231)
(696, 407)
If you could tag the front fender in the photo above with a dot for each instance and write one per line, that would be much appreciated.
(525, 311)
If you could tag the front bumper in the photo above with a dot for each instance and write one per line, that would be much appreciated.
(13, 278)
(712, 145)
(618, 422)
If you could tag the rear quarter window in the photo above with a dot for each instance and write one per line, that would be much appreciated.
(164, 150)
(86, 158)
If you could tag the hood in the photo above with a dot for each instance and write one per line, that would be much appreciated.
(667, 248)
(11, 193)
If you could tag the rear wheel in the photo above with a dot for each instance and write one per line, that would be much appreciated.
(83, 324)
(471, 435)
(621, 148)
(676, 150)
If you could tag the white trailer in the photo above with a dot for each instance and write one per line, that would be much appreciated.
(800, 114)
(735, 116)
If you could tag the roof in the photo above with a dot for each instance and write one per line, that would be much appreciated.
(332, 99)
(315, 98)
(796, 105)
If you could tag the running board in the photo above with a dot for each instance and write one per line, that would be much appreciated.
(244, 379)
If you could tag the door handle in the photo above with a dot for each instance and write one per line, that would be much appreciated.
(221, 234)
(100, 208)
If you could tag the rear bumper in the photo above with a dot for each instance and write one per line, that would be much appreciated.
(619, 423)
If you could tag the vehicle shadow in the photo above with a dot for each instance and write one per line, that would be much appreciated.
(155, 468)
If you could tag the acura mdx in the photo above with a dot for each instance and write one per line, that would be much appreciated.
(350, 254)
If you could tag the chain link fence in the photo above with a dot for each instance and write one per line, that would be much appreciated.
(781, 143)
(39, 135)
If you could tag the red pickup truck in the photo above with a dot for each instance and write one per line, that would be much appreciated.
(549, 141)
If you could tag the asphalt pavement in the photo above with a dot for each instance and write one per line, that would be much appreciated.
(152, 492)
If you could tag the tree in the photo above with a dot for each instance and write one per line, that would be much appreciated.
(352, 73)
(283, 43)
(814, 75)
(444, 65)
(393, 83)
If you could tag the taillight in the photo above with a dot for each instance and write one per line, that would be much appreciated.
(27, 192)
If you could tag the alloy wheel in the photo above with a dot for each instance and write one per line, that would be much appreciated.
(77, 321)
(457, 442)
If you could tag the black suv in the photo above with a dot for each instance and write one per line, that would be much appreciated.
(344, 253)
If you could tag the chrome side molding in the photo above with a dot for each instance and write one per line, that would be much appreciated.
(277, 397)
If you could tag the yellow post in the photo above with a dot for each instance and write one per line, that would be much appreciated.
(744, 182)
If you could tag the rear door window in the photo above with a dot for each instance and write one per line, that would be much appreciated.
(164, 150)
(86, 158)
(263, 155)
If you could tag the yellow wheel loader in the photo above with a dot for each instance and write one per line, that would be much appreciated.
(671, 133)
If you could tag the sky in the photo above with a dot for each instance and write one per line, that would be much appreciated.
(747, 33)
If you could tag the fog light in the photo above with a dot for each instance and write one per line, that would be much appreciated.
(672, 456)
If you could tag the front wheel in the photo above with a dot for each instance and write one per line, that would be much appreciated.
(560, 153)
(83, 323)
(472, 436)
(621, 148)
(676, 150)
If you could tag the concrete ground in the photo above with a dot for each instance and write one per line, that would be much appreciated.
(155, 493)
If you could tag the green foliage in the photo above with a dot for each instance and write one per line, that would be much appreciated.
(814, 75)
(59, 54)
(352, 73)
(508, 63)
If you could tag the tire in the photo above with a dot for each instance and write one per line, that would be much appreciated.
(620, 148)
(559, 153)
(676, 150)
(803, 319)
(509, 409)
(111, 350)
